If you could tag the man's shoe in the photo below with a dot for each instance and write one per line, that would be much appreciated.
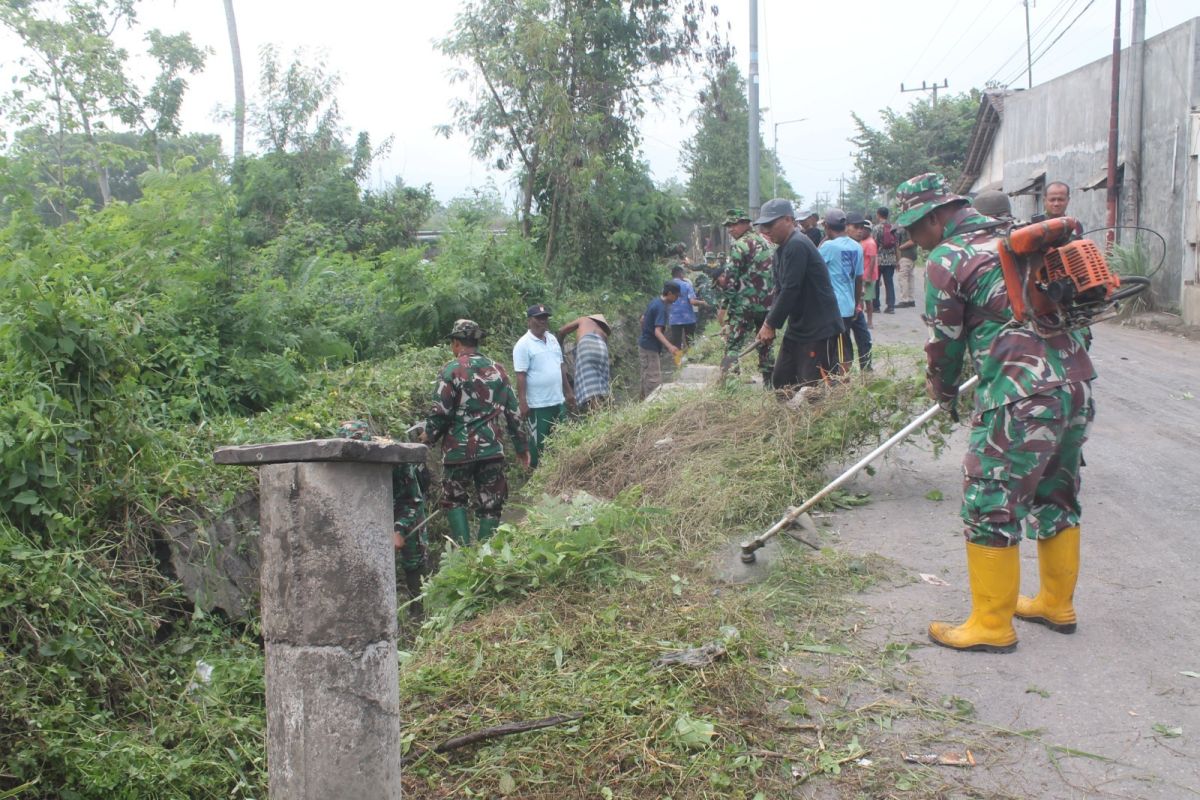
(889, 310)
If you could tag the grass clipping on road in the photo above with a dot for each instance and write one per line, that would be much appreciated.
(568, 614)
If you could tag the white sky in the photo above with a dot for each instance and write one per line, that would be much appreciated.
(813, 64)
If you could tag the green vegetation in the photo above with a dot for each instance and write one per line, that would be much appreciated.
(157, 302)
(928, 137)
(569, 613)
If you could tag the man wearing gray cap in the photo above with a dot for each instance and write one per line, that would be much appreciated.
(808, 226)
(803, 298)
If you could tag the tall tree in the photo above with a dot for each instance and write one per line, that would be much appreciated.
(925, 138)
(717, 157)
(239, 86)
(75, 84)
(556, 88)
(74, 76)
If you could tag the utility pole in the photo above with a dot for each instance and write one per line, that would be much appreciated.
(933, 88)
(1135, 82)
(775, 146)
(841, 182)
(1028, 48)
(753, 133)
(1113, 129)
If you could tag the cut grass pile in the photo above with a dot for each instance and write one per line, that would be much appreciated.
(568, 614)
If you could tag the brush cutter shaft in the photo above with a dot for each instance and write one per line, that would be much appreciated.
(749, 547)
(425, 521)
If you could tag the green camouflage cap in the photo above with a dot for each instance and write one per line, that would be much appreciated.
(466, 329)
(354, 429)
(735, 215)
(921, 194)
(710, 256)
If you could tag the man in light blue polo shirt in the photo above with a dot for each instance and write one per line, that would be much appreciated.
(844, 258)
(543, 389)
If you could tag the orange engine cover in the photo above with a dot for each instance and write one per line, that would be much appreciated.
(1084, 264)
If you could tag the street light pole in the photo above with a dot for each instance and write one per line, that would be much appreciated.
(775, 154)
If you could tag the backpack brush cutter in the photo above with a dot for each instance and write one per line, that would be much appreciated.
(1056, 283)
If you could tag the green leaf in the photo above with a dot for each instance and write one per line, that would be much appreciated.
(1168, 731)
(934, 494)
(26, 498)
(694, 733)
(1187, 673)
(508, 784)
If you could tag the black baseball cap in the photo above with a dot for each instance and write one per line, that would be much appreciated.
(538, 310)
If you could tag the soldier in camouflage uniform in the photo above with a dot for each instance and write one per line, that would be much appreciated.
(751, 288)
(702, 281)
(409, 485)
(472, 396)
(1033, 408)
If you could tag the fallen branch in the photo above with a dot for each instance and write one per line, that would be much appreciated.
(507, 729)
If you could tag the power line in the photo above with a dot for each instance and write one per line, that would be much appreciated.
(973, 51)
(1041, 25)
(983, 9)
(1041, 46)
(1081, 13)
(932, 39)
(1053, 28)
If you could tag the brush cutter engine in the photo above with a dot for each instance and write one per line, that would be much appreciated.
(1058, 282)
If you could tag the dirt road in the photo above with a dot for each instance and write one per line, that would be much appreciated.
(1115, 693)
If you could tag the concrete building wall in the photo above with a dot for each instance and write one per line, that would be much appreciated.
(1061, 128)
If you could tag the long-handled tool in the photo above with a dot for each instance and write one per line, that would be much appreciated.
(756, 543)
(728, 361)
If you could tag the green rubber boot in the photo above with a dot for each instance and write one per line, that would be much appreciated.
(460, 528)
(487, 526)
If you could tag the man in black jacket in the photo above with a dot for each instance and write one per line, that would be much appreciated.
(803, 298)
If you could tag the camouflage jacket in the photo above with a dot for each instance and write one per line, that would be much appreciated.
(750, 259)
(472, 395)
(704, 288)
(967, 307)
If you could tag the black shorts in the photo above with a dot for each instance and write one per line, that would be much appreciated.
(804, 363)
(682, 335)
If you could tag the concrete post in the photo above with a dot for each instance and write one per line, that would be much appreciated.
(328, 587)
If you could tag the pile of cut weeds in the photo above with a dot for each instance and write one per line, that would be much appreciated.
(796, 703)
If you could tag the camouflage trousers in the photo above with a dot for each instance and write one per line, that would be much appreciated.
(742, 331)
(491, 486)
(406, 517)
(1022, 465)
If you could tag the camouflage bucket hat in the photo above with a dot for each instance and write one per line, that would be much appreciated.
(920, 195)
(735, 215)
(354, 429)
(466, 329)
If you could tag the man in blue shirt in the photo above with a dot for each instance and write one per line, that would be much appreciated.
(682, 316)
(543, 389)
(844, 258)
(654, 339)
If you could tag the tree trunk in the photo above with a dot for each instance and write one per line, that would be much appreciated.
(239, 87)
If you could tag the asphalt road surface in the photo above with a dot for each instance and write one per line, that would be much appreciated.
(1114, 694)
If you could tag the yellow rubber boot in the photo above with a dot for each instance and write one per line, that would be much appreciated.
(1058, 567)
(995, 575)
